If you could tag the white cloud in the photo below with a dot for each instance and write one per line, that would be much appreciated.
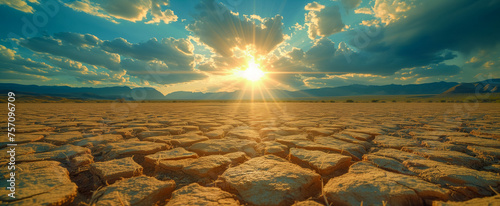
(20, 5)
(130, 10)
(389, 11)
(166, 16)
(363, 11)
(314, 6)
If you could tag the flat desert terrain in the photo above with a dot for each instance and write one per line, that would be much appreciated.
(252, 154)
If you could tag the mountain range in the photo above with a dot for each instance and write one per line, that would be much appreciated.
(146, 93)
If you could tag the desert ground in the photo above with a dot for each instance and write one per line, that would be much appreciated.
(253, 154)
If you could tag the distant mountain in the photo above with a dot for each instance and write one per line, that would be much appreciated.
(105, 93)
(392, 89)
(351, 90)
(145, 93)
(487, 86)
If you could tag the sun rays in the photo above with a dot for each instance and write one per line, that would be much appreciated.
(252, 73)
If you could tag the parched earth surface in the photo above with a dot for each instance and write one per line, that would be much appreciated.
(253, 154)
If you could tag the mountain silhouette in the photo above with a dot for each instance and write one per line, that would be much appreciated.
(147, 93)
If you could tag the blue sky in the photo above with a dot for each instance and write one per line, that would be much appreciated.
(202, 45)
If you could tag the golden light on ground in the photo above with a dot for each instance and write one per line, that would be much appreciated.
(252, 72)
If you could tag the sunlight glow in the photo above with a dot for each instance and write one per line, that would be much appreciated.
(252, 73)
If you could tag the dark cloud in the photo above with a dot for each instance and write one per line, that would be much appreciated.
(78, 39)
(434, 26)
(90, 55)
(292, 69)
(177, 53)
(350, 4)
(10, 60)
(81, 73)
(159, 72)
(295, 81)
(430, 34)
(323, 22)
(218, 28)
(17, 67)
(325, 56)
(295, 62)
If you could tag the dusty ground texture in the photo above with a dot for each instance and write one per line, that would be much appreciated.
(254, 154)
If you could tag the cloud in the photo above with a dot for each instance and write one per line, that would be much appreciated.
(363, 11)
(350, 4)
(159, 72)
(91, 55)
(177, 53)
(78, 39)
(20, 5)
(435, 70)
(424, 38)
(222, 30)
(293, 61)
(346, 79)
(288, 81)
(293, 69)
(434, 27)
(166, 16)
(484, 64)
(391, 10)
(13, 76)
(91, 8)
(324, 22)
(66, 64)
(324, 56)
(167, 61)
(314, 6)
(17, 68)
(223, 64)
(9, 59)
(129, 10)
(82, 73)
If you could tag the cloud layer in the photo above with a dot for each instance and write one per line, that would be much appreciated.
(328, 44)
(323, 21)
(167, 61)
(129, 10)
(220, 29)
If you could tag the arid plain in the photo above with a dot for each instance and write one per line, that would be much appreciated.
(254, 154)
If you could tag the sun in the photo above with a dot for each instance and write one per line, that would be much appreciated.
(252, 72)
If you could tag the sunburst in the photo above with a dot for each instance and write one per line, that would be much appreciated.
(252, 73)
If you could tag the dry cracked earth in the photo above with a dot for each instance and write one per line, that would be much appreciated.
(254, 154)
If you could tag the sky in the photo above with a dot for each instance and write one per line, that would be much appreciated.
(226, 45)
